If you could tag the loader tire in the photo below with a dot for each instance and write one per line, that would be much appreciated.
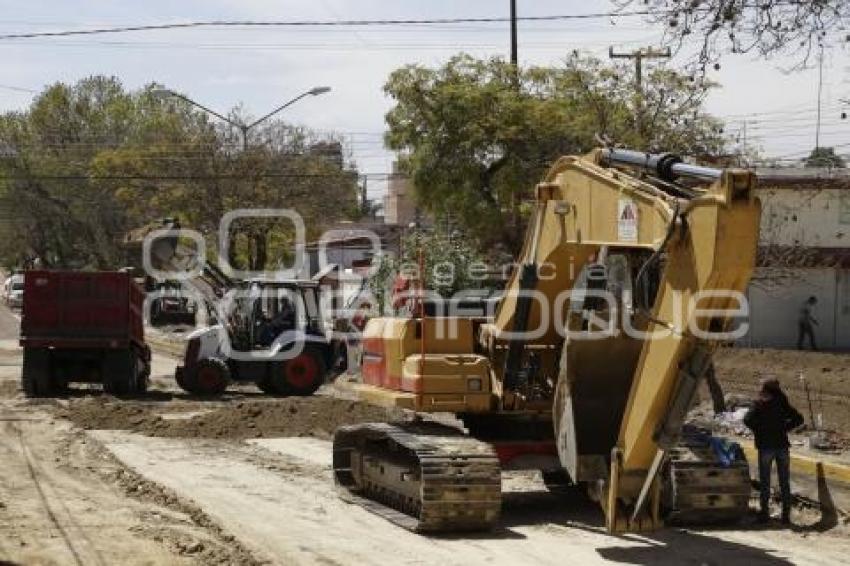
(180, 379)
(209, 377)
(35, 374)
(301, 375)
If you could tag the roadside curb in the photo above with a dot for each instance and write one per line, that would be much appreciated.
(817, 473)
(806, 465)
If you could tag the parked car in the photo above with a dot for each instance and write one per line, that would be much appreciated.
(13, 291)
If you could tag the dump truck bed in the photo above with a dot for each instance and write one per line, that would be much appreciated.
(78, 309)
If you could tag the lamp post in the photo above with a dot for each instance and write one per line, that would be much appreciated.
(241, 126)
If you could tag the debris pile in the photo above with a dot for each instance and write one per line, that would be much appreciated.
(295, 416)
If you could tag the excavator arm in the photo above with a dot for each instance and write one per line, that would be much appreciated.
(626, 389)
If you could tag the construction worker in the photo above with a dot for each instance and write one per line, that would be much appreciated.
(806, 324)
(771, 418)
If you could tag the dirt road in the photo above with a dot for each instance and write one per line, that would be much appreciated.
(275, 495)
(62, 501)
(246, 480)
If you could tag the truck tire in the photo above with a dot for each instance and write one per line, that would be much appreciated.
(209, 377)
(35, 374)
(143, 372)
(119, 372)
(301, 375)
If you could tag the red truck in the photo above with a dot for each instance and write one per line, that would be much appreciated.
(79, 326)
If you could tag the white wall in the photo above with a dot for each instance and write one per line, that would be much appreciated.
(775, 301)
(805, 217)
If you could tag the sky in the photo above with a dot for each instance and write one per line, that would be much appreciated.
(262, 67)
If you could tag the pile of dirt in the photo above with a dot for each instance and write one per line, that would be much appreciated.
(295, 416)
(105, 413)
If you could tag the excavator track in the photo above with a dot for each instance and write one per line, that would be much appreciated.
(699, 489)
(421, 476)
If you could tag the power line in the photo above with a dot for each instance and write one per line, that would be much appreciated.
(327, 23)
(18, 89)
(76, 177)
(802, 152)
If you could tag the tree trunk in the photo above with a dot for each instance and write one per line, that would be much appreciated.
(260, 252)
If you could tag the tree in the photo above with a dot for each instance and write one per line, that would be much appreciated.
(447, 260)
(55, 212)
(89, 162)
(824, 157)
(475, 135)
(768, 27)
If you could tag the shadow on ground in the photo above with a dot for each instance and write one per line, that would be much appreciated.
(572, 509)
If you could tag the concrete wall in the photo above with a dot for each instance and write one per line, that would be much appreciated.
(776, 297)
(809, 217)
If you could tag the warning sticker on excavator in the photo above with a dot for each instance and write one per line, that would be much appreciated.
(627, 220)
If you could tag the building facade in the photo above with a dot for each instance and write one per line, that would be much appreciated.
(399, 203)
(804, 251)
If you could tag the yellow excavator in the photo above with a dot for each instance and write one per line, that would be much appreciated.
(631, 274)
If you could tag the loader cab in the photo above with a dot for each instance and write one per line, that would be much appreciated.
(264, 309)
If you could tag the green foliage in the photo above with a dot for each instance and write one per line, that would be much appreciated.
(476, 135)
(449, 263)
(89, 162)
(824, 157)
(381, 281)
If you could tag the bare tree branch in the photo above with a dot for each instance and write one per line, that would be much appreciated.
(766, 27)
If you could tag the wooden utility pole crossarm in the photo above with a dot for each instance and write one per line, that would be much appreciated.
(639, 55)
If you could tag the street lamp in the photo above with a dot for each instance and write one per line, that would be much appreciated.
(244, 128)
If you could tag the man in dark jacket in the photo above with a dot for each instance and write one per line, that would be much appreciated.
(771, 418)
(806, 324)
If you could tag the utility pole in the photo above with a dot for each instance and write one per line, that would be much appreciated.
(514, 48)
(364, 195)
(639, 55)
(820, 91)
(514, 54)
